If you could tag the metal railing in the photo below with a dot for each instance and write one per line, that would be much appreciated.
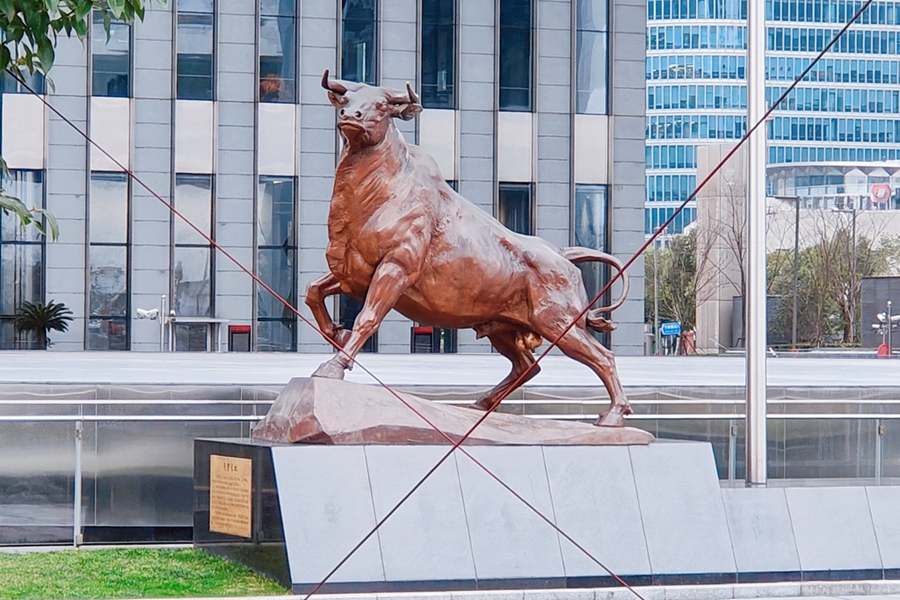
(114, 443)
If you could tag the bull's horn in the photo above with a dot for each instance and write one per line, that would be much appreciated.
(412, 95)
(333, 86)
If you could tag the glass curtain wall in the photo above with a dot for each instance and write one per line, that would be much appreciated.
(514, 207)
(192, 259)
(516, 55)
(110, 58)
(277, 51)
(194, 46)
(21, 258)
(591, 230)
(276, 263)
(108, 257)
(438, 53)
(592, 57)
(11, 85)
(359, 28)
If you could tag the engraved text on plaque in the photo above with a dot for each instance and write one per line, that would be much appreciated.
(230, 495)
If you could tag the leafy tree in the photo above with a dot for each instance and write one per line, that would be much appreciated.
(676, 280)
(28, 33)
(42, 318)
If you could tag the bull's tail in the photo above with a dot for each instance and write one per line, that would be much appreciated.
(578, 255)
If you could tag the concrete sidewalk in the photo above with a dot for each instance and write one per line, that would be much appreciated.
(843, 590)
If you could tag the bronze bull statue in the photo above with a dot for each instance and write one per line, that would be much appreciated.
(401, 238)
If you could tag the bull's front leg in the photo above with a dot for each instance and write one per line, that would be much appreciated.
(388, 284)
(316, 292)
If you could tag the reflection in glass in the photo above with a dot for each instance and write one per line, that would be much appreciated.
(592, 58)
(515, 55)
(107, 334)
(194, 67)
(275, 335)
(438, 53)
(276, 263)
(192, 282)
(275, 213)
(514, 207)
(110, 58)
(108, 216)
(193, 199)
(108, 281)
(12, 85)
(192, 257)
(591, 227)
(21, 257)
(21, 275)
(277, 51)
(276, 267)
(191, 337)
(358, 43)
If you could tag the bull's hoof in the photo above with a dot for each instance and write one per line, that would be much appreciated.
(484, 405)
(329, 370)
(614, 417)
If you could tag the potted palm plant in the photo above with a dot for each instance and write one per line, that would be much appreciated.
(41, 318)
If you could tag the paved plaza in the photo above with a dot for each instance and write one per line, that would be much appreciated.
(429, 369)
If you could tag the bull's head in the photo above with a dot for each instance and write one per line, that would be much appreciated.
(365, 112)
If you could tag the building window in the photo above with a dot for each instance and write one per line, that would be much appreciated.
(276, 262)
(194, 80)
(110, 58)
(108, 281)
(591, 230)
(192, 260)
(592, 58)
(21, 258)
(438, 53)
(358, 22)
(11, 85)
(348, 309)
(515, 55)
(514, 208)
(277, 51)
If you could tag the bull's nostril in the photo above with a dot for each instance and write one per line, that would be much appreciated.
(342, 112)
(358, 114)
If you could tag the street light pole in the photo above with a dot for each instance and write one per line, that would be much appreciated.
(755, 300)
(796, 271)
(853, 275)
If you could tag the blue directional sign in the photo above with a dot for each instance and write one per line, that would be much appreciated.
(670, 328)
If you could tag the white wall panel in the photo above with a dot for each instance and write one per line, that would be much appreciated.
(111, 130)
(23, 131)
(515, 137)
(194, 139)
(437, 137)
(277, 139)
(591, 149)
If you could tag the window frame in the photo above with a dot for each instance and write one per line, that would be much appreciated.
(127, 245)
(212, 56)
(532, 63)
(129, 93)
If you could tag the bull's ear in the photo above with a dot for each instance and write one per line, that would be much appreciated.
(409, 111)
(337, 100)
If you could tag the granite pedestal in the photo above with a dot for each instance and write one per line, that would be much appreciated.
(652, 514)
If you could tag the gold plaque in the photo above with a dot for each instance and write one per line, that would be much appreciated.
(230, 495)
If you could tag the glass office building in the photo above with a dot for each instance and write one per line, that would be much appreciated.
(217, 106)
(840, 123)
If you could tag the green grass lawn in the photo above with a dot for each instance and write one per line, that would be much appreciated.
(126, 573)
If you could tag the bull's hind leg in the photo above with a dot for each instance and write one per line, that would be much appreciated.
(505, 341)
(584, 348)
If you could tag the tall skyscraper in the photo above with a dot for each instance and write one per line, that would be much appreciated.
(830, 142)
